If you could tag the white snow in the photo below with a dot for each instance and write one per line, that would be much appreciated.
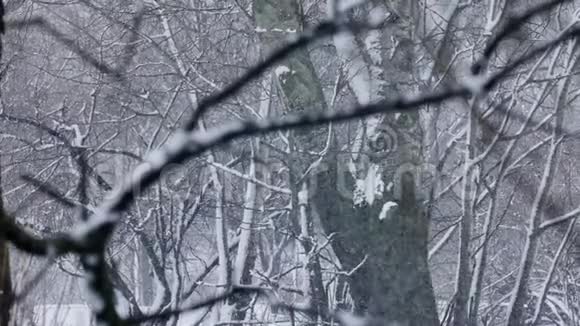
(352, 167)
(377, 15)
(78, 141)
(303, 196)
(357, 145)
(357, 72)
(360, 85)
(373, 39)
(345, 42)
(287, 30)
(372, 187)
(62, 315)
(365, 81)
(387, 207)
(44, 146)
(281, 70)
(122, 305)
(372, 124)
(159, 295)
(79, 137)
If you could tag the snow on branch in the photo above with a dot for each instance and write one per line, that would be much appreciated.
(89, 239)
(513, 24)
(190, 143)
(322, 30)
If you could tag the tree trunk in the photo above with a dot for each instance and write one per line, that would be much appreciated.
(394, 284)
(301, 91)
(5, 283)
(5, 279)
(463, 276)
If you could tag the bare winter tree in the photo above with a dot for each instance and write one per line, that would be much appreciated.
(289, 162)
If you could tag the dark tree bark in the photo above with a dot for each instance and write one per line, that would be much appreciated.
(5, 280)
(394, 283)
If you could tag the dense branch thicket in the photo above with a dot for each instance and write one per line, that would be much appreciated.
(289, 162)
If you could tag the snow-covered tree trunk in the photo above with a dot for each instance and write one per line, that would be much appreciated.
(384, 219)
(245, 257)
(539, 308)
(463, 276)
(224, 268)
(246, 226)
(301, 90)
